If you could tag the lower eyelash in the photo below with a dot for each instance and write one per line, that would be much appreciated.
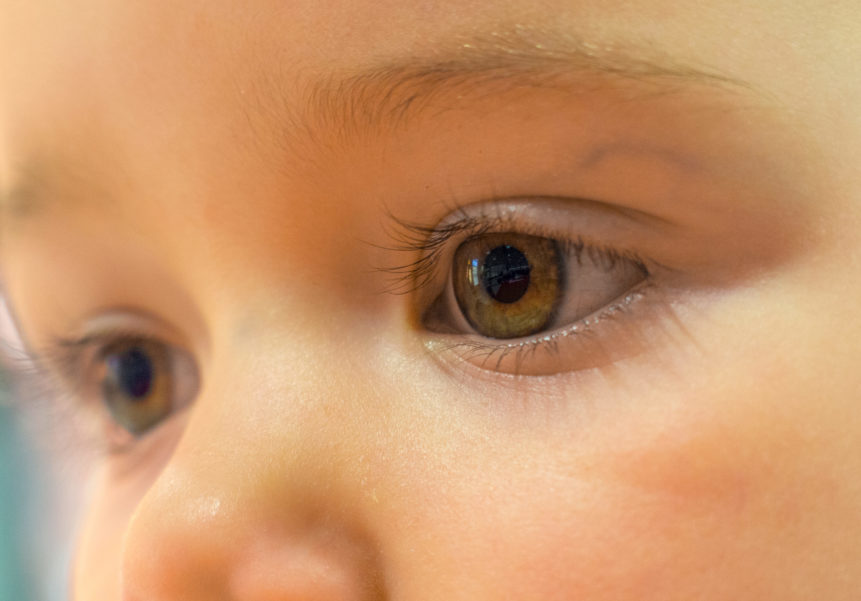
(493, 354)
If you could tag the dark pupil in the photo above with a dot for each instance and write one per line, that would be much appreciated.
(133, 371)
(506, 274)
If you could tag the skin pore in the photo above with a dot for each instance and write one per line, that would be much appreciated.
(252, 190)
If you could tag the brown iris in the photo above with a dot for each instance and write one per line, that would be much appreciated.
(136, 384)
(508, 285)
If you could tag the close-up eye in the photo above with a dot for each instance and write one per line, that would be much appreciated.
(506, 286)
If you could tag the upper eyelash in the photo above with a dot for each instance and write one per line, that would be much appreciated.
(429, 243)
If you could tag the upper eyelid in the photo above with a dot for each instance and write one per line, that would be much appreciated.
(427, 243)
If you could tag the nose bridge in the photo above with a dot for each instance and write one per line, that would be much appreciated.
(263, 497)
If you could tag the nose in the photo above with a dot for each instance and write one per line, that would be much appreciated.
(260, 501)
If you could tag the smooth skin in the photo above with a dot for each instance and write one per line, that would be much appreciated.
(220, 177)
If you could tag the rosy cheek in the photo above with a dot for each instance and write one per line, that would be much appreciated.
(696, 472)
(724, 466)
(716, 503)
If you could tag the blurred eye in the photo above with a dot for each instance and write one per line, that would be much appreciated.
(142, 382)
(513, 285)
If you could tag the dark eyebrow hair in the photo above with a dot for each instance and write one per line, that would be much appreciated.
(385, 93)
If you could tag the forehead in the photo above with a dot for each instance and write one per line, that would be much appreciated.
(121, 79)
(100, 51)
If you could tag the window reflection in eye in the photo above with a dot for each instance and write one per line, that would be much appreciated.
(508, 285)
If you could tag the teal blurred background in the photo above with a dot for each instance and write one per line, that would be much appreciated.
(18, 577)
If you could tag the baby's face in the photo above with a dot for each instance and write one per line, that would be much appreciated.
(445, 300)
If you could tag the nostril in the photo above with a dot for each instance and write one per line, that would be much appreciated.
(317, 566)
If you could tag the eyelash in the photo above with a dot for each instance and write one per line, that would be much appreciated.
(430, 243)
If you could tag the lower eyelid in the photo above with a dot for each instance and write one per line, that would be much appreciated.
(612, 334)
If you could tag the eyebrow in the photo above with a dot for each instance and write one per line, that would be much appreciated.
(43, 181)
(24, 196)
(385, 94)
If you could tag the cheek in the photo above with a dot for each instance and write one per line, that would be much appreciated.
(693, 504)
(608, 538)
(736, 501)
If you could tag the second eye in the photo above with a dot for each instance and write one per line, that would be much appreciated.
(142, 382)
